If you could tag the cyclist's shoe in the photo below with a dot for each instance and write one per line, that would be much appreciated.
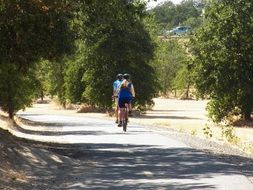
(120, 124)
(130, 113)
(117, 121)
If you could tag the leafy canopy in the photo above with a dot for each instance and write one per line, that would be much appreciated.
(223, 52)
(30, 30)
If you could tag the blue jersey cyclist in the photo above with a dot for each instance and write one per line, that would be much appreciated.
(116, 85)
(125, 95)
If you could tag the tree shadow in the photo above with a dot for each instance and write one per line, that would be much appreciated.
(109, 166)
(169, 117)
(116, 166)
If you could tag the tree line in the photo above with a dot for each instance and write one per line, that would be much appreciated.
(74, 49)
(187, 13)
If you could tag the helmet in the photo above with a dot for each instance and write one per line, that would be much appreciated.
(119, 76)
(126, 76)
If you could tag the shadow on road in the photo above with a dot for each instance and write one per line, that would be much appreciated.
(108, 166)
(115, 166)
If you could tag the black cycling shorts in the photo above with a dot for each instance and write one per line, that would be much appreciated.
(124, 100)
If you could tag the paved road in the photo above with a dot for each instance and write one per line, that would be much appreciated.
(108, 158)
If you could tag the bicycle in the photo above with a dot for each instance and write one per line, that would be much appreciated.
(125, 119)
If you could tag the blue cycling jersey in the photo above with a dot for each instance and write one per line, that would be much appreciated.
(125, 92)
(116, 84)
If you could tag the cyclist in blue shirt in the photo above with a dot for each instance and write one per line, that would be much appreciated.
(126, 94)
(116, 85)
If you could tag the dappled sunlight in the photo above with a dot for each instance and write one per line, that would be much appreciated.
(56, 159)
(92, 153)
(123, 166)
(146, 167)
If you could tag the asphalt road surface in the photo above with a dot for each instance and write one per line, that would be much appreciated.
(104, 157)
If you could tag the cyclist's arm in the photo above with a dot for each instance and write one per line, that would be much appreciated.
(113, 90)
(118, 90)
(132, 90)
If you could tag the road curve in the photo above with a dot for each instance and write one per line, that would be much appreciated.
(141, 158)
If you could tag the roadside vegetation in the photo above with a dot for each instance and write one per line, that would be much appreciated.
(73, 50)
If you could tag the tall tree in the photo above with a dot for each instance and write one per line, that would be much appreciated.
(29, 30)
(169, 58)
(73, 79)
(117, 42)
(169, 15)
(223, 50)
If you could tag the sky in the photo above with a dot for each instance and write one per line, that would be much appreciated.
(153, 3)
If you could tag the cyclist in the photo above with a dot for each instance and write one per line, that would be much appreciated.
(126, 94)
(116, 85)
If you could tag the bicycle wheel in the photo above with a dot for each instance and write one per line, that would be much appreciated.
(125, 120)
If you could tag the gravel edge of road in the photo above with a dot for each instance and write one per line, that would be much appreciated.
(223, 151)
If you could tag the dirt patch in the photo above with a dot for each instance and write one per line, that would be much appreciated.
(9, 171)
(33, 165)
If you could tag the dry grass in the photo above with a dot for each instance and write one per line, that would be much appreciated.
(243, 123)
(85, 108)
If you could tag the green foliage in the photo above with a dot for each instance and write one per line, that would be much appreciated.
(56, 80)
(74, 79)
(17, 89)
(223, 52)
(228, 133)
(169, 15)
(33, 29)
(117, 42)
(207, 131)
(184, 79)
(42, 72)
(170, 57)
(29, 31)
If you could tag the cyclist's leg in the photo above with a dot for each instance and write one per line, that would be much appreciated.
(125, 118)
(117, 109)
(121, 111)
(127, 104)
(130, 106)
(126, 110)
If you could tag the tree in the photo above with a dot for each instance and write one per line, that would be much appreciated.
(169, 58)
(73, 79)
(17, 89)
(117, 42)
(56, 79)
(42, 71)
(29, 31)
(223, 52)
(183, 80)
(169, 15)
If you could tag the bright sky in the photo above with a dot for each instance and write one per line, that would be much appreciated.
(154, 3)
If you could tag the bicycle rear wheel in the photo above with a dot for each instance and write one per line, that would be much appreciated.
(125, 120)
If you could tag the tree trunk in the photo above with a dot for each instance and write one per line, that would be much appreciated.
(10, 105)
(11, 113)
(10, 108)
(246, 112)
(187, 91)
(247, 115)
(247, 107)
(41, 95)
